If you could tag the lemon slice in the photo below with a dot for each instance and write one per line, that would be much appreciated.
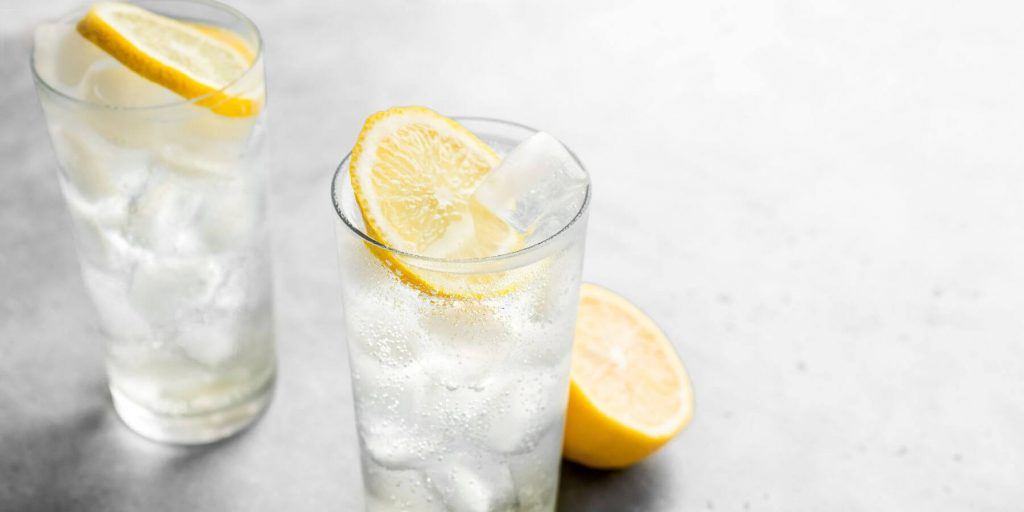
(629, 393)
(413, 174)
(228, 37)
(191, 61)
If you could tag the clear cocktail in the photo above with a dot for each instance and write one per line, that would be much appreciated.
(167, 197)
(459, 326)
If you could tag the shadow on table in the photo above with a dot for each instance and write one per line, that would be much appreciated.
(38, 460)
(640, 488)
(90, 461)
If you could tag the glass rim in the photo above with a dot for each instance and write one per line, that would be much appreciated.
(536, 246)
(184, 101)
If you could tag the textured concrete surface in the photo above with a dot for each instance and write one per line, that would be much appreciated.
(819, 201)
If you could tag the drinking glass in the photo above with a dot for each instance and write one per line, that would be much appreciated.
(168, 206)
(459, 397)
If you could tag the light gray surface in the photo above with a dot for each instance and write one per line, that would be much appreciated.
(819, 201)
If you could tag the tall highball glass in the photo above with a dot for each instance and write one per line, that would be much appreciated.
(167, 198)
(459, 396)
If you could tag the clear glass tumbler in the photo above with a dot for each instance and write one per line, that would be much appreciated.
(460, 400)
(168, 203)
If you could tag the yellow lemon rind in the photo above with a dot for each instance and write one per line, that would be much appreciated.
(94, 27)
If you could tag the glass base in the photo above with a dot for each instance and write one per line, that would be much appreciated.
(193, 429)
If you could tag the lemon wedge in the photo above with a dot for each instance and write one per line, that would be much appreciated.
(629, 393)
(191, 61)
(413, 174)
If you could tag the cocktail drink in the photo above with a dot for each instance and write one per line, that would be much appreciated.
(460, 251)
(155, 111)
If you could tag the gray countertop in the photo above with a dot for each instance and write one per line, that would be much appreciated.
(819, 201)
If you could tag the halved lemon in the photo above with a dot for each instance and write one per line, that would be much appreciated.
(189, 60)
(629, 393)
(413, 174)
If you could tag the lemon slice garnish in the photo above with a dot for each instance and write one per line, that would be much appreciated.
(413, 174)
(192, 61)
(229, 38)
(629, 393)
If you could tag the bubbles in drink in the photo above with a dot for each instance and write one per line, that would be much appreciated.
(461, 384)
(529, 403)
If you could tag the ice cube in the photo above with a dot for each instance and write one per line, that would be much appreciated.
(98, 229)
(197, 164)
(207, 126)
(86, 161)
(537, 188)
(108, 82)
(210, 341)
(387, 393)
(94, 167)
(238, 285)
(396, 444)
(545, 346)
(154, 377)
(46, 49)
(202, 142)
(229, 218)
(459, 409)
(198, 144)
(62, 55)
(535, 473)
(470, 484)
(205, 142)
(93, 162)
(397, 491)
(100, 246)
(530, 403)
(164, 290)
(164, 216)
(118, 318)
(465, 341)
(384, 331)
